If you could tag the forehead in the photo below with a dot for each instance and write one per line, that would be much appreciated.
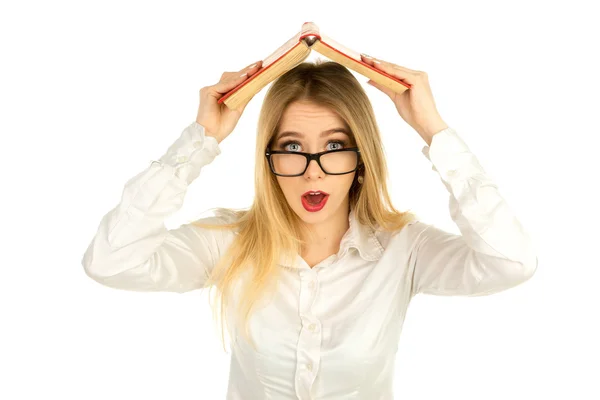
(310, 119)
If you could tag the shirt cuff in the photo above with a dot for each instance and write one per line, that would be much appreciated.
(449, 154)
(192, 150)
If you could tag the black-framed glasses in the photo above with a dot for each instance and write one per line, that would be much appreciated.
(295, 163)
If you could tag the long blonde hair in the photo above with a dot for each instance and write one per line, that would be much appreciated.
(270, 228)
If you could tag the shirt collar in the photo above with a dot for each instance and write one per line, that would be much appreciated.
(358, 236)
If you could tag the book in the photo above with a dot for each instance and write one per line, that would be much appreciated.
(295, 51)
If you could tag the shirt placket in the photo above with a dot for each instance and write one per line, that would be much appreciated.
(309, 343)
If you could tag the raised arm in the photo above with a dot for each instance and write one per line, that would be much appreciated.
(133, 249)
(493, 251)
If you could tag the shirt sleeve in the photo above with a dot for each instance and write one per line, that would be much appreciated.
(493, 251)
(132, 248)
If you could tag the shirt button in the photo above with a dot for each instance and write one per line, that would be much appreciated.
(197, 144)
(181, 158)
(309, 366)
(312, 327)
(311, 285)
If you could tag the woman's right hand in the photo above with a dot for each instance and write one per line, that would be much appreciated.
(217, 119)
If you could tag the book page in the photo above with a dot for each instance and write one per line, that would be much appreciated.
(308, 28)
(350, 53)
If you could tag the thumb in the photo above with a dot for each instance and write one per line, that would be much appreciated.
(224, 87)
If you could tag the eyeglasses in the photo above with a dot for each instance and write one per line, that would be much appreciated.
(295, 163)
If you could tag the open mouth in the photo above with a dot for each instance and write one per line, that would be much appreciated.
(314, 201)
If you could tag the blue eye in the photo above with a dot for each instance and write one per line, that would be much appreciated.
(283, 145)
(338, 142)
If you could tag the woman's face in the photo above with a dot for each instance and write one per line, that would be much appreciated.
(309, 122)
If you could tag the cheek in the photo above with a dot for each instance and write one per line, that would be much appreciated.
(286, 187)
(347, 183)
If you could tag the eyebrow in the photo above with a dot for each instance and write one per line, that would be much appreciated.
(323, 134)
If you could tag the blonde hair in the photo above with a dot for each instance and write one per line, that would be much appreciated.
(270, 228)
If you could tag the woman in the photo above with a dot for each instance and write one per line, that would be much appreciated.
(315, 278)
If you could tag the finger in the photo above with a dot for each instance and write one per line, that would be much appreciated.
(235, 79)
(366, 59)
(226, 85)
(405, 74)
(252, 67)
(370, 60)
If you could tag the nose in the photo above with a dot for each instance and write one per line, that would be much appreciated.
(314, 170)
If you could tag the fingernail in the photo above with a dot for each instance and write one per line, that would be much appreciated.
(366, 55)
(243, 75)
(253, 65)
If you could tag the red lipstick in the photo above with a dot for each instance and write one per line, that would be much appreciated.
(314, 200)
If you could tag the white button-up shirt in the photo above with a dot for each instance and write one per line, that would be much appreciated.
(331, 331)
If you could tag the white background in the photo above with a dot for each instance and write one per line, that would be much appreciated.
(91, 92)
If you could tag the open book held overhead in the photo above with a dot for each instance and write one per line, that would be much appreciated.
(295, 51)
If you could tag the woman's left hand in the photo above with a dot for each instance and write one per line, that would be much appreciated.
(415, 105)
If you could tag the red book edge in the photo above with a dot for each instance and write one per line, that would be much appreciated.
(235, 89)
(408, 85)
(260, 71)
